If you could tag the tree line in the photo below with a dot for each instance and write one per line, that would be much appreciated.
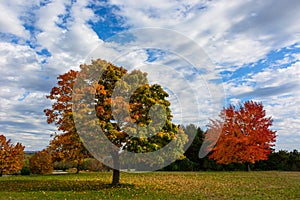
(16, 161)
(282, 160)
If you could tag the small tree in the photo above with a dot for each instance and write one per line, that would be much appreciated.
(41, 163)
(11, 156)
(195, 144)
(245, 136)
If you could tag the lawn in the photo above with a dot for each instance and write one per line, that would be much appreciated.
(155, 185)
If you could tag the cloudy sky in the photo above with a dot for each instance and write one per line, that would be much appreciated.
(206, 54)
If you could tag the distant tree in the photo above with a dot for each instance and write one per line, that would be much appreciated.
(294, 160)
(190, 161)
(65, 146)
(245, 135)
(11, 156)
(280, 160)
(193, 150)
(41, 163)
(287, 161)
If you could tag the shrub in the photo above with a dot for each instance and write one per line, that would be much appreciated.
(25, 171)
(94, 165)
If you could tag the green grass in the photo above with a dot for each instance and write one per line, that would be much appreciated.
(156, 185)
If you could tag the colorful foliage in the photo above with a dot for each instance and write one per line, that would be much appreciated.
(41, 163)
(245, 134)
(67, 145)
(122, 102)
(11, 156)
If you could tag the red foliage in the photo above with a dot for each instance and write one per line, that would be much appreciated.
(245, 136)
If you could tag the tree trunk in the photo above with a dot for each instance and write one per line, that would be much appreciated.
(77, 168)
(116, 177)
(116, 168)
(248, 167)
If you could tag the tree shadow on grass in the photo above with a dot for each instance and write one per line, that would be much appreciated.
(56, 185)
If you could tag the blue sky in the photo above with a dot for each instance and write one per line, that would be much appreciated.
(245, 50)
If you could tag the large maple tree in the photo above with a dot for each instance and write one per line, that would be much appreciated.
(132, 114)
(244, 134)
(11, 156)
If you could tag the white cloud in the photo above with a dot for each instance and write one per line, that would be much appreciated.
(232, 33)
(155, 13)
(68, 42)
(12, 17)
(23, 88)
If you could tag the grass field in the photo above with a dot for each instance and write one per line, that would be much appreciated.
(155, 185)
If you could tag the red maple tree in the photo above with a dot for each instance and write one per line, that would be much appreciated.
(244, 135)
